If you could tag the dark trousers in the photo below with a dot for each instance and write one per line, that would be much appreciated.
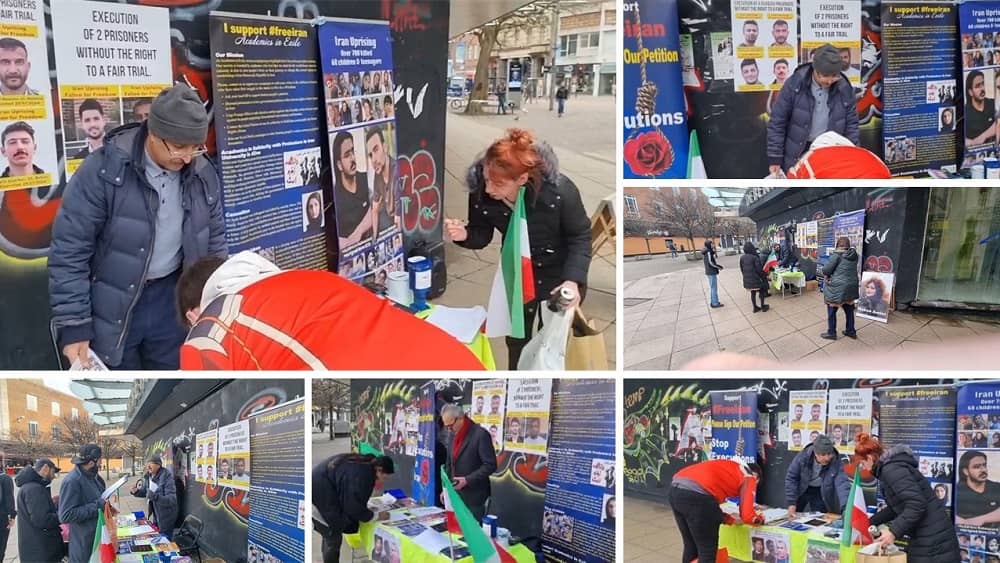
(4, 536)
(831, 319)
(331, 547)
(753, 297)
(501, 104)
(812, 498)
(562, 105)
(698, 517)
(155, 334)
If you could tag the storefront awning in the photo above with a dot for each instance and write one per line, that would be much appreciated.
(157, 402)
(105, 400)
(778, 200)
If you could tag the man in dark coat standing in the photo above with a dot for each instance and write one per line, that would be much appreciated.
(342, 485)
(712, 269)
(157, 486)
(80, 500)
(816, 479)
(38, 534)
(7, 512)
(817, 98)
(471, 458)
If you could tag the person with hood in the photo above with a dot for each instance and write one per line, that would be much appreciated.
(841, 288)
(471, 458)
(558, 225)
(712, 269)
(342, 485)
(816, 479)
(39, 537)
(7, 511)
(912, 509)
(753, 276)
(157, 486)
(80, 500)
(136, 211)
(816, 98)
(247, 314)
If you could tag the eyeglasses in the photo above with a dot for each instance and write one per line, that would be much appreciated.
(198, 151)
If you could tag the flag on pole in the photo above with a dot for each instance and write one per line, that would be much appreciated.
(772, 261)
(482, 548)
(856, 516)
(696, 166)
(514, 283)
(104, 550)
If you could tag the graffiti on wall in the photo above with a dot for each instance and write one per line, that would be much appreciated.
(421, 199)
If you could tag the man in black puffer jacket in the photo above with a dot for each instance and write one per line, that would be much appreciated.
(342, 485)
(38, 534)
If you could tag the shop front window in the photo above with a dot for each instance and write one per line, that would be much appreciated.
(961, 261)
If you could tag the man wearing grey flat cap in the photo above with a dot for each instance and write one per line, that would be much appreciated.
(137, 210)
(816, 98)
(816, 479)
(157, 486)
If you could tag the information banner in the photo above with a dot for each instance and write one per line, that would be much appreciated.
(578, 522)
(919, 92)
(112, 59)
(656, 138)
(527, 422)
(734, 425)
(276, 531)
(206, 443)
(28, 145)
(269, 137)
(923, 418)
(767, 547)
(234, 455)
(424, 476)
(807, 417)
(361, 120)
(977, 475)
(488, 399)
(837, 22)
(851, 409)
(766, 34)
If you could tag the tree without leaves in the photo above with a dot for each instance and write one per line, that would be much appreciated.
(332, 396)
(76, 432)
(689, 212)
(31, 446)
(131, 448)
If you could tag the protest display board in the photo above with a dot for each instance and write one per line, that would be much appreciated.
(979, 33)
(206, 446)
(734, 425)
(837, 22)
(876, 296)
(234, 455)
(527, 418)
(806, 418)
(977, 491)
(851, 410)
(769, 546)
(269, 137)
(112, 59)
(765, 34)
(488, 401)
(424, 474)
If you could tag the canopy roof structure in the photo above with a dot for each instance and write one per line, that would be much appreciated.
(106, 401)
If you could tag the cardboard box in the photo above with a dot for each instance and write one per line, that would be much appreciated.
(812, 285)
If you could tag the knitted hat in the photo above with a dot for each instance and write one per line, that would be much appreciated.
(157, 460)
(178, 115)
(822, 445)
(826, 60)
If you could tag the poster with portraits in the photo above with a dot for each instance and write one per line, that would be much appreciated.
(979, 42)
(806, 417)
(850, 412)
(27, 142)
(233, 467)
(206, 453)
(112, 59)
(358, 84)
(839, 24)
(527, 417)
(977, 471)
(875, 299)
(488, 402)
(768, 547)
(765, 39)
(722, 55)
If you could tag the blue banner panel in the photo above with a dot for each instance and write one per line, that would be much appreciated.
(979, 33)
(977, 470)
(424, 477)
(734, 425)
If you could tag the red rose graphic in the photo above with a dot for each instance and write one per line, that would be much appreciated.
(629, 434)
(649, 154)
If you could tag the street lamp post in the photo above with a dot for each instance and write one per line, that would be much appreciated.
(555, 53)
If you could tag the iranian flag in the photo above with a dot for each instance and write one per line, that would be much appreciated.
(482, 548)
(856, 515)
(514, 283)
(772, 261)
(104, 550)
(696, 166)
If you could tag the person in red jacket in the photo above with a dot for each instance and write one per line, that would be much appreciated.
(695, 495)
(247, 314)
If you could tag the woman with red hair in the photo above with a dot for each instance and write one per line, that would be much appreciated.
(558, 225)
(912, 509)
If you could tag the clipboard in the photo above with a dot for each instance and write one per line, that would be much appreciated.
(114, 488)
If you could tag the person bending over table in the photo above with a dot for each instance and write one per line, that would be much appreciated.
(471, 458)
(342, 485)
(695, 495)
(816, 479)
(247, 314)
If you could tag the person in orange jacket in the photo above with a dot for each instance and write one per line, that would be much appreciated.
(247, 314)
(695, 495)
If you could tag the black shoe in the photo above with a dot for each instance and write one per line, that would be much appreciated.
(853, 335)
(717, 305)
(756, 309)
(765, 308)
(828, 336)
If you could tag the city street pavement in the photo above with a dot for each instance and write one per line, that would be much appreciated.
(650, 531)
(126, 503)
(322, 448)
(584, 141)
(638, 267)
(668, 323)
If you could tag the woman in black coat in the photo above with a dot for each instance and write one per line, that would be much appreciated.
(753, 276)
(558, 225)
(912, 509)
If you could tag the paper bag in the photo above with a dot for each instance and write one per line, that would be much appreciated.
(585, 349)
(880, 557)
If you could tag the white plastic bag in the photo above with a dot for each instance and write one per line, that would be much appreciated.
(546, 351)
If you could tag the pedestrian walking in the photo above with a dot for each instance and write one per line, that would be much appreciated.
(502, 98)
(753, 276)
(841, 288)
(561, 95)
(712, 269)
(673, 249)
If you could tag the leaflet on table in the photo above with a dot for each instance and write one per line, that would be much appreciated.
(112, 59)
(978, 27)
(527, 422)
(269, 135)
(920, 94)
(234, 455)
(822, 551)
(806, 419)
(488, 401)
(205, 443)
(734, 425)
(765, 33)
(28, 158)
(358, 87)
(769, 546)
(431, 541)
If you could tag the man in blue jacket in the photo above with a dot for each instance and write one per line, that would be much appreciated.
(80, 500)
(816, 479)
(136, 211)
(817, 98)
(157, 486)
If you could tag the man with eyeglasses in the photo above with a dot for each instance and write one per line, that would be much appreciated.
(136, 211)
(471, 458)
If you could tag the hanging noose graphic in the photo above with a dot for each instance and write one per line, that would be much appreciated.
(646, 105)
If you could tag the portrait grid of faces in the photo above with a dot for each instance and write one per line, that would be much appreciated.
(765, 47)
